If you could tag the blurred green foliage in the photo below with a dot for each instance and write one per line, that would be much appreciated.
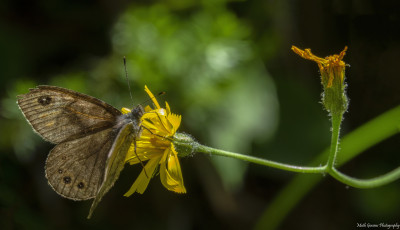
(227, 68)
(200, 62)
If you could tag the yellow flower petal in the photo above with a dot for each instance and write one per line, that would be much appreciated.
(306, 54)
(175, 121)
(167, 108)
(125, 110)
(149, 125)
(151, 97)
(170, 171)
(147, 147)
(132, 159)
(142, 181)
(157, 120)
(147, 108)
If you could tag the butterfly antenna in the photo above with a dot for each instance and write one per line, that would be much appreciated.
(127, 79)
(151, 98)
(130, 94)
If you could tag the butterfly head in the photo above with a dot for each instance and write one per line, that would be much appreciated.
(136, 113)
(133, 117)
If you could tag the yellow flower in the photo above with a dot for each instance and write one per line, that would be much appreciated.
(332, 70)
(330, 67)
(155, 146)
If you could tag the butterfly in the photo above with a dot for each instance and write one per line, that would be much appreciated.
(91, 137)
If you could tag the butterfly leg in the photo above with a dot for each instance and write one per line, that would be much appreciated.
(159, 118)
(141, 162)
(156, 134)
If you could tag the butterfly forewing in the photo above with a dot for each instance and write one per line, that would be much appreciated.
(59, 114)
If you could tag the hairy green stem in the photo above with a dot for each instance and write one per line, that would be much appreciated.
(353, 144)
(260, 161)
(336, 122)
(366, 183)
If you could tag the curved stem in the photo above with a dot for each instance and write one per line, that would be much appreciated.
(353, 144)
(366, 183)
(256, 160)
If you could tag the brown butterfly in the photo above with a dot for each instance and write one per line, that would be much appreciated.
(91, 137)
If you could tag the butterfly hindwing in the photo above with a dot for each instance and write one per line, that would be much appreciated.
(75, 169)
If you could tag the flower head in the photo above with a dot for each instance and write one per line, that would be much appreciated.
(155, 145)
(332, 70)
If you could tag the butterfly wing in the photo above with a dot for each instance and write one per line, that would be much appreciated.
(75, 169)
(115, 162)
(82, 126)
(59, 114)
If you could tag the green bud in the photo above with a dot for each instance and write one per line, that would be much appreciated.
(184, 144)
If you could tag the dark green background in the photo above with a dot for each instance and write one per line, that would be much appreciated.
(228, 69)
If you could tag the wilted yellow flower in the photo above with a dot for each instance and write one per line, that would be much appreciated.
(330, 67)
(155, 146)
(332, 70)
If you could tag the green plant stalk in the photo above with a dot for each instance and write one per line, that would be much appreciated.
(367, 183)
(260, 161)
(354, 182)
(354, 143)
(336, 122)
(328, 168)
